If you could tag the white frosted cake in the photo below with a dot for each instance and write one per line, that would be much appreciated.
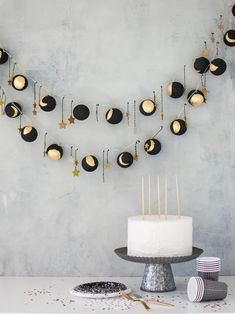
(159, 237)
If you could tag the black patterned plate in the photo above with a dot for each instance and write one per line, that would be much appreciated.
(100, 289)
(122, 252)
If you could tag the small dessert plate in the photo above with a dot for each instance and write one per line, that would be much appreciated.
(100, 289)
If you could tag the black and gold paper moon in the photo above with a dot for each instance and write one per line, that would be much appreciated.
(218, 66)
(152, 146)
(125, 159)
(233, 10)
(147, 107)
(3, 56)
(201, 65)
(229, 38)
(114, 116)
(48, 103)
(54, 152)
(29, 133)
(178, 127)
(13, 109)
(196, 98)
(90, 163)
(19, 82)
(175, 89)
(81, 112)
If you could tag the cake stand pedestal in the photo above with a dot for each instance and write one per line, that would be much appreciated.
(158, 275)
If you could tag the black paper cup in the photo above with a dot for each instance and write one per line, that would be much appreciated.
(200, 289)
(209, 275)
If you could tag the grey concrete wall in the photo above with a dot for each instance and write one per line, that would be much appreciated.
(111, 52)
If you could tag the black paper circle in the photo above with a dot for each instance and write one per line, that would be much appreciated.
(147, 107)
(54, 152)
(3, 56)
(90, 163)
(201, 65)
(218, 66)
(229, 38)
(178, 127)
(19, 82)
(196, 98)
(81, 112)
(125, 159)
(114, 116)
(233, 10)
(29, 133)
(48, 103)
(152, 146)
(175, 89)
(13, 109)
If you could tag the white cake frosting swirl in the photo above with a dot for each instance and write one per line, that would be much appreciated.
(159, 237)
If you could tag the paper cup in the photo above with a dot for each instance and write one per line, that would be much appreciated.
(200, 289)
(209, 275)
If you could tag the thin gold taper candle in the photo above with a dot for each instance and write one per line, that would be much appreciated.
(165, 197)
(158, 198)
(142, 198)
(177, 196)
(149, 200)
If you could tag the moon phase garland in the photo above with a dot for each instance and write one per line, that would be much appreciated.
(147, 107)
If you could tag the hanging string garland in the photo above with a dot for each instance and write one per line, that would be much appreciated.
(97, 112)
(90, 163)
(62, 124)
(13, 110)
(152, 146)
(3, 56)
(114, 116)
(2, 101)
(107, 163)
(148, 106)
(205, 51)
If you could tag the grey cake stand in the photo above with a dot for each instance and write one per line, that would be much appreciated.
(158, 276)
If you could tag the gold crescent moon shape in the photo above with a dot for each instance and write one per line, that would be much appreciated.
(229, 39)
(148, 105)
(19, 82)
(121, 161)
(27, 130)
(109, 115)
(213, 67)
(169, 89)
(152, 146)
(43, 104)
(90, 161)
(54, 154)
(176, 127)
(15, 109)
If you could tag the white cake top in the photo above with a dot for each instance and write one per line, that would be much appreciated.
(161, 219)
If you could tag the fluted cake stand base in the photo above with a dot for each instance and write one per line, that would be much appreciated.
(158, 275)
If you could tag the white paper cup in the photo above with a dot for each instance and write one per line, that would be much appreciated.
(200, 289)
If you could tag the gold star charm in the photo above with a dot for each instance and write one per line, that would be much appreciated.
(146, 146)
(71, 119)
(9, 82)
(108, 165)
(205, 52)
(205, 91)
(20, 130)
(135, 156)
(62, 125)
(76, 172)
(1, 102)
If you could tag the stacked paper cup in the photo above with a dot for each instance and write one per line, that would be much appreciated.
(200, 289)
(208, 267)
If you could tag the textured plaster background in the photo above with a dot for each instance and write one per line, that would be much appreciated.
(111, 52)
